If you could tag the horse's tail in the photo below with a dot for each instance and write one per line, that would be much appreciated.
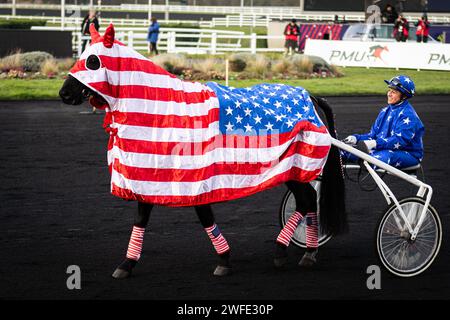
(333, 216)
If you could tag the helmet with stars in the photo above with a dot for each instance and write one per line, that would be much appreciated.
(402, 83)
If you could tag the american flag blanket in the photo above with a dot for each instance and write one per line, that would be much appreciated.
(180, 143)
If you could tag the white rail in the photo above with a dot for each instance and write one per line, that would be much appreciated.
(271, 13)
(182, 40)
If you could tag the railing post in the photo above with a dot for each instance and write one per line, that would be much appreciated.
(214, 43)
(171, 42)
(78, 40)
(253, 43)
(130, 38)
(63, 13)
(227, 64)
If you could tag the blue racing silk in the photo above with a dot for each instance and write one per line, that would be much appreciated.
(397, 128)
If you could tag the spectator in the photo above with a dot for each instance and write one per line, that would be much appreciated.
(292, 34)
(336, 19)
(152, 37)
(389, 14)
(423, 29)
(91, 17)
(401, 29)
(327, 33)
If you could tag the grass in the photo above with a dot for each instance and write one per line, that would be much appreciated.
(362, 81)
(357, 81)
(24, 89)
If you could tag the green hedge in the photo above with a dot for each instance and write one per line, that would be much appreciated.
(20, 23)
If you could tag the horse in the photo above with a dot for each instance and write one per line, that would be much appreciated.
(92, 78)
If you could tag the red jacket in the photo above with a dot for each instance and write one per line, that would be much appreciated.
(423, 28)
(401, 26)
(291, 32)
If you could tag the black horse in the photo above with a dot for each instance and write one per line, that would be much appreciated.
(332, 204)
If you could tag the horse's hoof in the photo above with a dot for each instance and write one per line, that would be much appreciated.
(121, 274)
(308, 260)
(279, 262)
(281, 255)
(222, 271)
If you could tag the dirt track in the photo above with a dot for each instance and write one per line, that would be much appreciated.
(56, 211)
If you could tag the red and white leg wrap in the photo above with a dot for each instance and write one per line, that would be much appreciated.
(135, 245)
(312, 230)
(218, 240)
(286, 234)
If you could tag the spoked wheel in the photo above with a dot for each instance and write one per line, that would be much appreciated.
(288, 208)
(398, 253)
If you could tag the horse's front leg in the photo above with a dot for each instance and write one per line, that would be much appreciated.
(219, 242)
(136, 241)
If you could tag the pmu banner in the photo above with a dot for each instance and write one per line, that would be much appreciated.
(409, 55)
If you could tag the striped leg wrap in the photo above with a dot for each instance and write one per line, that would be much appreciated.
(286, 234)
(312, 230)
(217, 239)
(135, 245)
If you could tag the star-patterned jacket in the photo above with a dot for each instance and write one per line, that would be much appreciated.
(397, 127)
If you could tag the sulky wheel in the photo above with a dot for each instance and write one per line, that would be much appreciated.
(398, 253)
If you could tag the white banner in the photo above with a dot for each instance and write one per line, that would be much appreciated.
(410, 55)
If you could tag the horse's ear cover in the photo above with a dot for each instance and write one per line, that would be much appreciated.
(95, 36)
(108, 37)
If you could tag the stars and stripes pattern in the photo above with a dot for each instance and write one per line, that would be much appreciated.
(288, 230)
(218, 240)
(180, 143)
(263, 109)
(135, 244)
(312, 230)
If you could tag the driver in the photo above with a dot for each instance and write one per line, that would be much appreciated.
(396, 136)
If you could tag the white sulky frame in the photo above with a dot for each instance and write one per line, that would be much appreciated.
(424, 189)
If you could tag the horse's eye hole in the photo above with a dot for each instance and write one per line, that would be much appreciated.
(93, 62)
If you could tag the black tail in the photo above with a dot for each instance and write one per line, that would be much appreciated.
(333, 217)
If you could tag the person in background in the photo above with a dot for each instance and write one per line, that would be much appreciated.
(401, 29)
(423, 29)
(291, 33)
(91, 18)
(389, 14)
(152, 37)
(396, 136)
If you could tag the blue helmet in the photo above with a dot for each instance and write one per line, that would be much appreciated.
(404, 84)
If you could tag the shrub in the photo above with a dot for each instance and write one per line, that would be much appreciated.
(209, 65)
(11, 62)
(32, 61)
(259, 66)
(173, 63)
(302, 63)
(282, 66)
(238, 62)
(49, 68)
(20, 23)
(65, 65)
